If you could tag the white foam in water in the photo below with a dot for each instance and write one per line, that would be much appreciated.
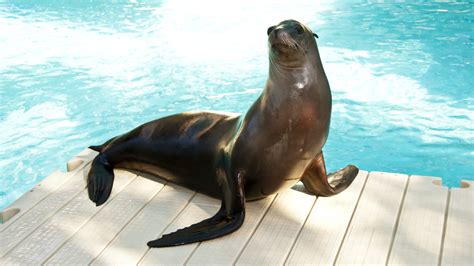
(191, 34)
(411, 104)
(73, 47)
(228, 31)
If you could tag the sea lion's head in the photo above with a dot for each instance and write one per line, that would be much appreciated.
(291, 43)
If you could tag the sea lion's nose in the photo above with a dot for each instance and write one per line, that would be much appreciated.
(277, 30)
(282, 33)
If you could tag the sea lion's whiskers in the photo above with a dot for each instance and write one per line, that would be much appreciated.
(286, 41)
(290, 43)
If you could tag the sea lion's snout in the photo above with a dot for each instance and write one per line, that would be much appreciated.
(288, 36)
(282, 40)
(283, 35)
(289, 43)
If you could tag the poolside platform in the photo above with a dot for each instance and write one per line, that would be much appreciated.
(382, 218)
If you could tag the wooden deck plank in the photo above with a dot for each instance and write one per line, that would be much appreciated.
(29, 221)
(369, 236)
(200, 208)
(327, 223)
(224, 250)
(130, 245)
(47, 238)
(420, 227)
(94, 236)
(458, 248)
(275, 236)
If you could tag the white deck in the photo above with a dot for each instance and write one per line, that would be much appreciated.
(381, 219)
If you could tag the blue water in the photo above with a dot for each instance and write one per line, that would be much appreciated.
(75, 73)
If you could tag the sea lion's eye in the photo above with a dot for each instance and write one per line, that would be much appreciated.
(299, 29)
(270, 29)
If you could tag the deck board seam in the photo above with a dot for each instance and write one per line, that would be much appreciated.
(255, 230)
(128, 222)
(86, 221)
(20, 214)
(445, 226)
(362, 190)
(168, 225)
(399, 213)
(299, 231)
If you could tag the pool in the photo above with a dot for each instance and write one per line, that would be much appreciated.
(76, 73)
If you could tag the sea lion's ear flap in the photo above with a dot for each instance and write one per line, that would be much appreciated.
(270, 29)
(315, 35)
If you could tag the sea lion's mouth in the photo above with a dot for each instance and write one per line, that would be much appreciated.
(285, 45)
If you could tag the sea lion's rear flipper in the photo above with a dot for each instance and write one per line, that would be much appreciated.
(317, 182)
(100, 180)
(229, 218)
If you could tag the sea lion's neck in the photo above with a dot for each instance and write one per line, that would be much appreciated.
(293, 77)
(284, 82)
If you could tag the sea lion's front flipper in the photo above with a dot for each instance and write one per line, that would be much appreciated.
(229, 218)
(317, 182)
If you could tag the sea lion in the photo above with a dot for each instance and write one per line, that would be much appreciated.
(277, 143)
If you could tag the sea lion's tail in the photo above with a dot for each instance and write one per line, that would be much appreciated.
(100, 148)
(100, 180)
(97, 148)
